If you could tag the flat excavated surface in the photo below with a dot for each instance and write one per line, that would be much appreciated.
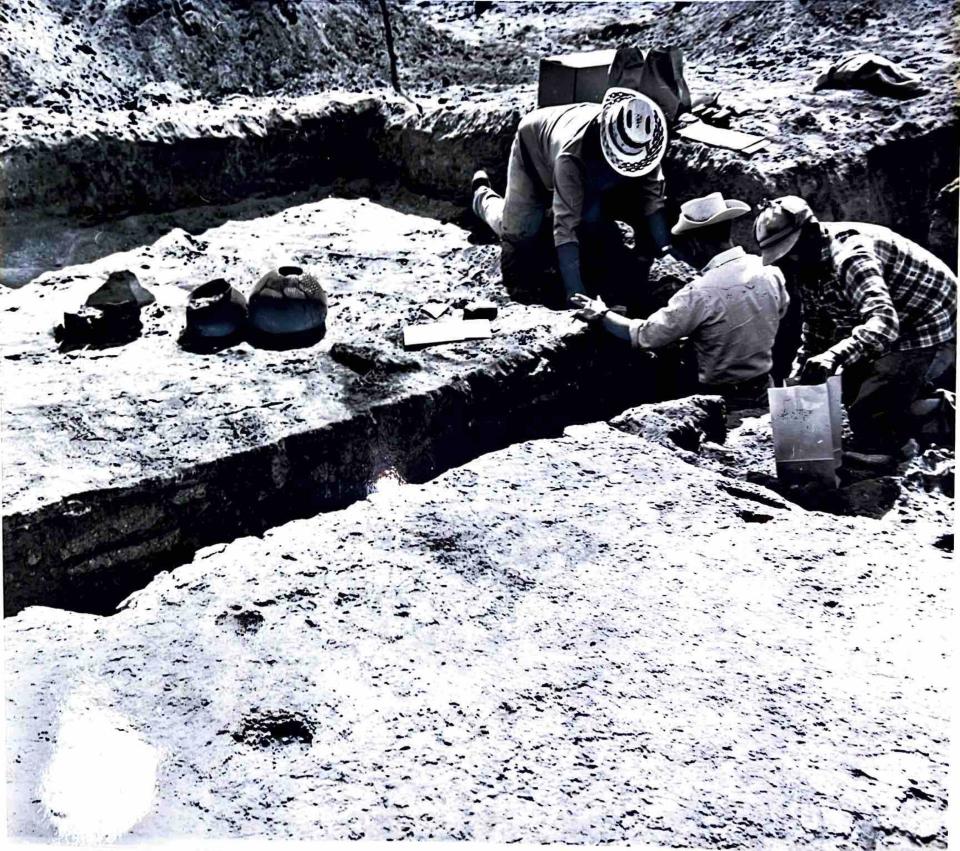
(158, 409)
(117, 458)
(582, 639)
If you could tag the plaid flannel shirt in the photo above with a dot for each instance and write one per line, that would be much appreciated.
(875, 292)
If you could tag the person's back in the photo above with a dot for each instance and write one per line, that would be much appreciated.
(741, 303)
(551, 131)
(730, 313)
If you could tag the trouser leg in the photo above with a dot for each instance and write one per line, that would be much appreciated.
(488, 207)
(518, 215)
(522, 217)
(879, 396)
(942, 371)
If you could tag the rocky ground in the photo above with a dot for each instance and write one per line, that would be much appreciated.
(618, 631)
(582, 639)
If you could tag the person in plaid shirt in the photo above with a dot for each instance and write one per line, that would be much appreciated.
(875, 304)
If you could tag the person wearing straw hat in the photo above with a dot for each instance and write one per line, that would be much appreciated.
(876, 305)
(731, 312)
(584, 164)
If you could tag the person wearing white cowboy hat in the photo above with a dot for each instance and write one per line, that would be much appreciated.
(876, 305)
(731, 313)
(587, 164)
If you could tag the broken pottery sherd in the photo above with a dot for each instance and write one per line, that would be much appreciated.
(111, 325)
(120, 287)
(109, 317)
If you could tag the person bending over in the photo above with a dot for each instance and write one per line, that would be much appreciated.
(874, 304)
(583, 165)
(731, 312)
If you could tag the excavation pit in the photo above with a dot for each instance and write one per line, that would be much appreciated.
(123, 462)
(606, 634)
(168, 452)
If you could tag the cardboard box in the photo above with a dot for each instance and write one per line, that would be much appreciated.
(574, 77)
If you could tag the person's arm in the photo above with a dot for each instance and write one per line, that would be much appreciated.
(652, 189)
(861, 278)
(617, 325)
(683, 314)
(568, 193)
(568, 259)
(642, 201)
(659, 232)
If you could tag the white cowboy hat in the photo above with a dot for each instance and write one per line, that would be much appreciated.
(633, 132)
(709, 210)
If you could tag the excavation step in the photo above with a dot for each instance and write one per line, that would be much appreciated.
(102, 163)
(122, 461)
(852, 156)
(573, 640)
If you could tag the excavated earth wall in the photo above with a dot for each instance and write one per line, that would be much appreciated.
(180, 156)
(184, 155)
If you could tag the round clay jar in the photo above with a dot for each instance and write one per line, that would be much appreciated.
(288, 301)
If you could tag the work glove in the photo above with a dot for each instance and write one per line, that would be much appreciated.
(590, 309)
(817, 369)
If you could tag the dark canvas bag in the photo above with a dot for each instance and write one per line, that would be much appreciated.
(658, 74)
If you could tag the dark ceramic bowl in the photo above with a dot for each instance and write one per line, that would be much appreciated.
(215, 309)
(216, 317)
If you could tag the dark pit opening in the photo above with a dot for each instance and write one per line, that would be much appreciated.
(290, 271)
(270, 729)
(754, 516)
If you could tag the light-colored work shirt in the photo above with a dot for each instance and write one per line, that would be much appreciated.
(731, 313)
(553, 137)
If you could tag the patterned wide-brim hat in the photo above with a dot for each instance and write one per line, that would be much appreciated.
(633, 132)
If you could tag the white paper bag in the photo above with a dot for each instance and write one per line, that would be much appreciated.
(807, 422)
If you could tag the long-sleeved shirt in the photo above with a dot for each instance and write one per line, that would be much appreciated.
(731, 313)
(554, 141)
(874, 292)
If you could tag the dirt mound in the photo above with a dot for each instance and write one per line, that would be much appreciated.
(66, 54)
(107, 52)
